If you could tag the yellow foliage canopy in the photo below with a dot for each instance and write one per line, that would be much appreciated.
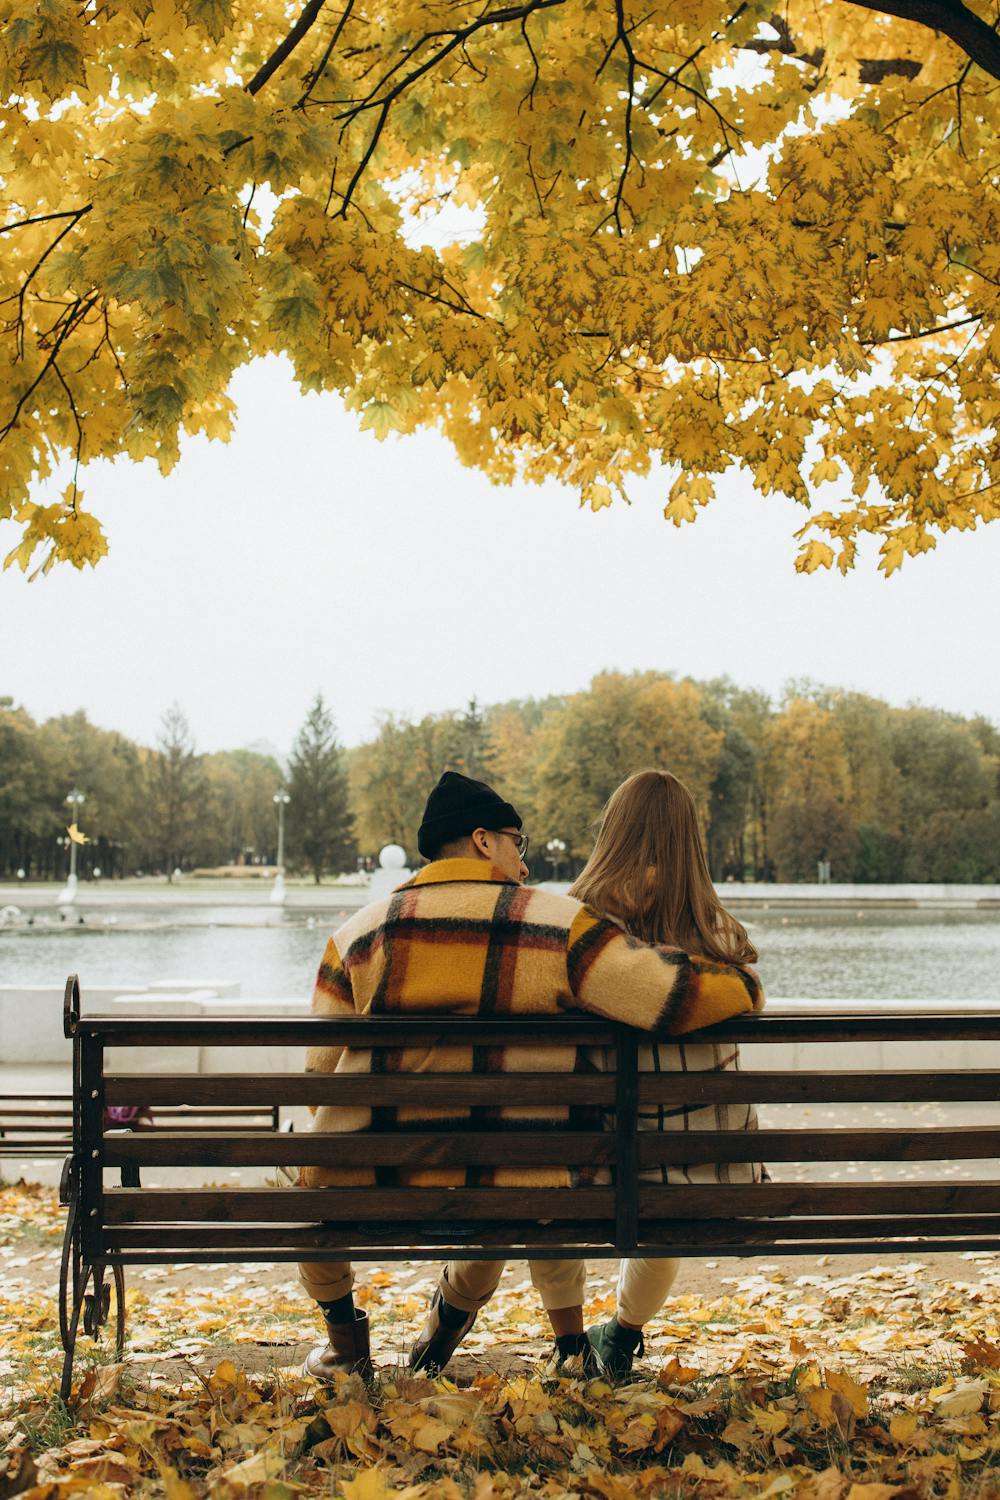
(577, 236)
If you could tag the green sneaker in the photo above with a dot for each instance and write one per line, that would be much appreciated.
(615, 1348)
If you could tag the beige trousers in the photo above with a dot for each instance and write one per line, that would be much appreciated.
(468, 1284)
(643, 1284)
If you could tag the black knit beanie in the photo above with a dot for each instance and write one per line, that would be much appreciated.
(456, 806)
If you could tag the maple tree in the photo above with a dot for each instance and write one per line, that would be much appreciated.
(696, 234)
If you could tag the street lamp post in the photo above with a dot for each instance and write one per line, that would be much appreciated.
(555, 849)
(67, 895)
(277, 898)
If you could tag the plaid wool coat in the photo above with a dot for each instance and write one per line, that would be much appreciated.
(460, 938)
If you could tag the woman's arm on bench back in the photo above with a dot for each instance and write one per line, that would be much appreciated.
(650, 986)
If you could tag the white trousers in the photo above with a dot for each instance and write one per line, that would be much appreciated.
(643, 1285)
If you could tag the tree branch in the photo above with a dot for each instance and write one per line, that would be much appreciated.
(267, 69)
(74, 216)
(383, 102)
(925, 333)
(626, 42)
(316, 73)
(79, 311)
(459, 307)
(975, 37)
(66, 213)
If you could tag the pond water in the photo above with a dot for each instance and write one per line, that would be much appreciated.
(844, 955)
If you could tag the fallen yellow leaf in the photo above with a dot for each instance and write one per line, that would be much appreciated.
(902, 1427)
(854, 1394)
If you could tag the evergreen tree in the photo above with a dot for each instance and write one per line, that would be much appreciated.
(175, 792)
(320, 823)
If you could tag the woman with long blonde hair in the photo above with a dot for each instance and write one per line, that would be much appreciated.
(648, 872)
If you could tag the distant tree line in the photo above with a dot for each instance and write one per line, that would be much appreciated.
(879, 793)
(153, 810)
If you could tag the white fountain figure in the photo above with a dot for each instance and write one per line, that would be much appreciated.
(392, 871)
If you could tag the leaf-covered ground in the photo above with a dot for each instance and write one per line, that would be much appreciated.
(811, 1380)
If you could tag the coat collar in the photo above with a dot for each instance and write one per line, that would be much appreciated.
(448, 871)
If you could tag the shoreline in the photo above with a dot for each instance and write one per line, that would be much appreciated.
(738, 896)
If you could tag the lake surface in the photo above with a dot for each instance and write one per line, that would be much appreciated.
(855, 955)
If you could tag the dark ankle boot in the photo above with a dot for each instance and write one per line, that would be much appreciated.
(615, 1348)
(573, 1354)
(347, 1352)
(437, 1341)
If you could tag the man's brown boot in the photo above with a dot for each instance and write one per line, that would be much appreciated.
(437, 1341)
(347, 1353)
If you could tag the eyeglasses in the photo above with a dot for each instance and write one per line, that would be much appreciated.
(520, 840)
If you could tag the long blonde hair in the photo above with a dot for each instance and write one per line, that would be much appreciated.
(648, 870)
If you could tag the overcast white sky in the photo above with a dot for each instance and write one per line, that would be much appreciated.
(306, 555)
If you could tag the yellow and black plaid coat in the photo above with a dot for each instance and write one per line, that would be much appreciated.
(459, 938)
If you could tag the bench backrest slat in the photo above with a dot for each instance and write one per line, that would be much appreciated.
(409, 1205)
(435, 1090)
(431, 1090)
(570, 1148)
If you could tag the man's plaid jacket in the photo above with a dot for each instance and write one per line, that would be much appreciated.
(459, 938)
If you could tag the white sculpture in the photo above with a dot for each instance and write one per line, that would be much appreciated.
(392, 872)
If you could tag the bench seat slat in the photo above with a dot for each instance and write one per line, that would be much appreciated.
(55, 1113)
(35, 1149)
(514, 1248)
(172, 1240)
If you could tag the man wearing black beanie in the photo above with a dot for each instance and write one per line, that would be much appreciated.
(458, 811)
(465, 935)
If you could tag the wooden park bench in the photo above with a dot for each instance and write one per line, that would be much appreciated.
(34, 1126)
(111, 1226)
